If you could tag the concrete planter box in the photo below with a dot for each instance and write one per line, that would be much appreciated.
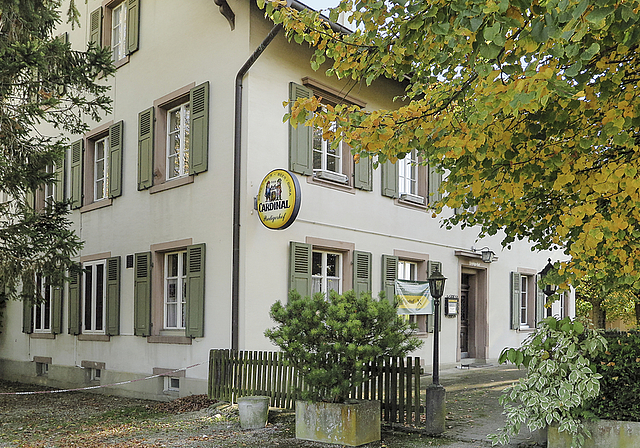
(254, 411)
(604, 434)
(352, 424)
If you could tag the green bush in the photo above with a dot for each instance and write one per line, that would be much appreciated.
(329, 340)
(561, 379)
(620, 383)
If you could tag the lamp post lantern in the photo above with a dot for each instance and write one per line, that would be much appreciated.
(435, 395)
(549, 289)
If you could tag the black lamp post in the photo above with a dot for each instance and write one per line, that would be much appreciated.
(435, 395)
(436, 288)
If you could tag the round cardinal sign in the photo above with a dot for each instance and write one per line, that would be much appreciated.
(278, 199)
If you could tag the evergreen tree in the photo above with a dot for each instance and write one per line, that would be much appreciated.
(47, 91)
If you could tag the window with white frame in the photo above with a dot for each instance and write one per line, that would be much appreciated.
(95, 374)
(408, 173)
(94, 287)
(175, 289)
(119, 31)
(524, 300)
(178, 141)
(101, 169)
(408, 270)
(171, 384)
(42, 310)
(325, 272)
(326, 156)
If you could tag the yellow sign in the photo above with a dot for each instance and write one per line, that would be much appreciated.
(278, 200)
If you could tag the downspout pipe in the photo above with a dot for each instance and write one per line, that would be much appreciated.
(237, 185)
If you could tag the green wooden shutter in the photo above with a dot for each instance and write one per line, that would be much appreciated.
(199, 129)
(195, 291)
(95, 27)
(145, 148)
(113, 296)
(59, 181)
(434, 181)
(30, 199)
(361, 272)
(389, 276)
(516, 280)
(432, 266)
(390, 179)
(363, 174)
(27, 316)
(115, 159)
(133, 25)
(76, 174)
(300, 138)
(142, 294)
(541, 299)
(56, 310)
(74, 303)
(300, 268)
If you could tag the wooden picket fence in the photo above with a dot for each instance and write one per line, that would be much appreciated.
(395, 382)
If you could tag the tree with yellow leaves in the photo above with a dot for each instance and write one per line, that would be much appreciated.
(530, 108)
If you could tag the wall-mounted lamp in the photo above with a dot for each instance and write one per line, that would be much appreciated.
(486, 253)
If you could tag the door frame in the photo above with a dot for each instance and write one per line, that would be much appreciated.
(470, 263)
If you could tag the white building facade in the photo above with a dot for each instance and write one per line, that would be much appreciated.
(152, 190)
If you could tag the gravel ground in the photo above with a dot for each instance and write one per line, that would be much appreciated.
(64, 420)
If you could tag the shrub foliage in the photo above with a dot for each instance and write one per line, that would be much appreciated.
(561, 378)
(619, 366)
(329, 340)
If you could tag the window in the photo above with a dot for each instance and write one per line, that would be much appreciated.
(328, 158)
(171, 384)
(320, 265)
(42, 311)
(101, 169)
(42, 368)
(116, 27)
(326, 268)
(175, 289)
(171, 296)
(94, 297)
(182, 133)
(408, 174)
(96, 167)
(178, 141)
(524, 281)
(311, 155)
(49, 192)
(43, 319)
(119, 31)
(94, 291)
(405, 265)
(407, 270)
(527, 300)
(411, 182)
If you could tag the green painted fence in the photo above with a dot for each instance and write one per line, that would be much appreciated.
(395, 382)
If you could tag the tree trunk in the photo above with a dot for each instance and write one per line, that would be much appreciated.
(599, 316)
